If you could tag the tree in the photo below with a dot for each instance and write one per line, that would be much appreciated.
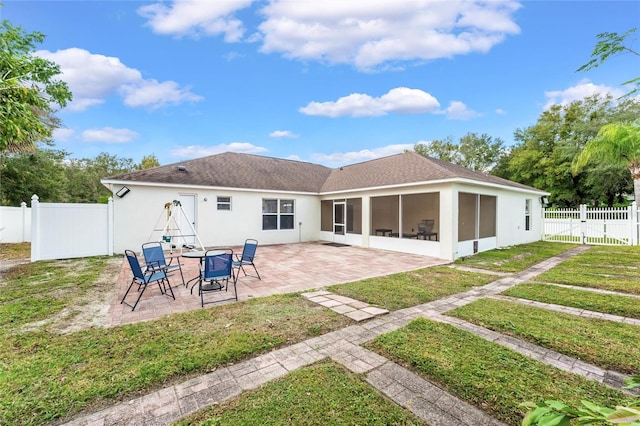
(148, 162)
(41, 172)
(29, 91)
(544, 153)
(83, 176)
(616, 144)
(479, 153)
(611, 44)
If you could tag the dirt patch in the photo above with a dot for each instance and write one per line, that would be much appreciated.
(88, 310)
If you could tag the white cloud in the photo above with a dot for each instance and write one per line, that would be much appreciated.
(342, 158)
(196, 17)
(459, 111)
(283, 134)
(153, 94)
(197, 151)
(63, 134)
(500, 111)
(401, 100)
(92, 78)
(109, 135)
(583, 89)
(370, 33)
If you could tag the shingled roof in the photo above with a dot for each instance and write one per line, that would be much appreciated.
(235, 170)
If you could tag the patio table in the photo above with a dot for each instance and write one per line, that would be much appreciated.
(199, 254)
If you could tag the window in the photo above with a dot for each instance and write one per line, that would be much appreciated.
(277, 214)
(224, 203)
(527, 215)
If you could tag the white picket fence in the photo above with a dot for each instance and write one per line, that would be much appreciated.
(15, 224)
(603, 226)
(69, 230)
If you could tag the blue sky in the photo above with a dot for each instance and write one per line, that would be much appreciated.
(326, 81)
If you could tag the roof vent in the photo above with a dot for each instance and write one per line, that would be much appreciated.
(182, 169)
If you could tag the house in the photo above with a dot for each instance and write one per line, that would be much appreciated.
(383, 203)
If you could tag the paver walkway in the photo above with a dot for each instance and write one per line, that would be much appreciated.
(422, 398)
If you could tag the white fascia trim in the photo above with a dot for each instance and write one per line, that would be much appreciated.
(212, 188)
(436, 182)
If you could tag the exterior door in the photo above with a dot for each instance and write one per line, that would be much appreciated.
(187, 218)
(339, 221)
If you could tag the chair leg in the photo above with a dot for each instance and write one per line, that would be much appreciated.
(133, 307)
(256, 269)
(127, 292)
(166, 285)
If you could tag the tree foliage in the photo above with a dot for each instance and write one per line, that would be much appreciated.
(29, 91)
(56, 178)
(612, 44)
(544, 153)
(479, 153)
(617, 144)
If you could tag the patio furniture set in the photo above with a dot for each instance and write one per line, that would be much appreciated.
(425, 231)
(219, 269)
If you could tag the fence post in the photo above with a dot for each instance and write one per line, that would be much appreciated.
(633, 223)
(110, 226)
(35, 226)
(583, 222)
(23, 205)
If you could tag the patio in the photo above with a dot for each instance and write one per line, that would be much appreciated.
(284, 268)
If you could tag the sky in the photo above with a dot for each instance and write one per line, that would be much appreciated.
(332, 82)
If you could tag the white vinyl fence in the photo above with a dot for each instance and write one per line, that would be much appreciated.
(15, 224)
(68, 230)
(604, 226)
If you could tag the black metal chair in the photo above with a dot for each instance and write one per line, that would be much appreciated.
(143, 279)
(246, 259)
(425, 229)
(154, 257)
(217, 274)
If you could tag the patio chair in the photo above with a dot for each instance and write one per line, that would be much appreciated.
(425, 229)
(246, 259)
(154, 258)
(143, 279)
(217, 274)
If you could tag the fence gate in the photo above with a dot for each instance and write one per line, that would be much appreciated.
(604, 226)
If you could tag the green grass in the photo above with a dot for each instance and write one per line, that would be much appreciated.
(515, 258)
(321, 394)
(399, 291)
(608, 268)
(35, 291)
(487, 375)
(607, 344)
(46, 376)
(605, 303)
(12, 251)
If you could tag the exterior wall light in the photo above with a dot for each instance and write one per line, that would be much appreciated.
(122, 192)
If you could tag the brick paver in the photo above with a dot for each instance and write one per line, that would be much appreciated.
(425, 400)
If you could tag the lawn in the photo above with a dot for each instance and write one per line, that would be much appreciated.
(608, 344)
(514, 258)
(399, 291)
(486, 374)
(609, 268)
(48, 376)
(330, 395)
(613, 304)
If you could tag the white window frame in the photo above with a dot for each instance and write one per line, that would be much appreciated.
(279, 213)
(527, 214)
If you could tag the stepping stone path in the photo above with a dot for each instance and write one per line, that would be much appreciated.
(352, 308)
